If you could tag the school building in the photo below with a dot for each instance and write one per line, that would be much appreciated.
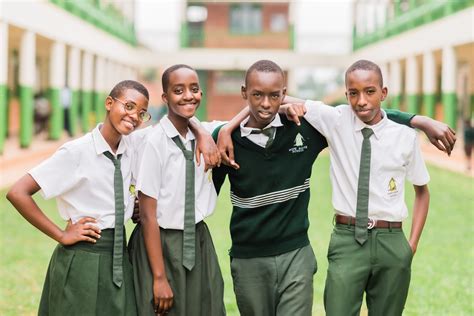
(46, 46)
(221, 39)
(426, 50)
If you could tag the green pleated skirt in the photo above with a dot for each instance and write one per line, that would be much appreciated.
(79, 281)
(199, 292)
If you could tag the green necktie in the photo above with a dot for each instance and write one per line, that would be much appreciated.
(117, 273)
(362, 210)
(189, 231)
(269, 132)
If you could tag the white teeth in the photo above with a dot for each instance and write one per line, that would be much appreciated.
(130, 125)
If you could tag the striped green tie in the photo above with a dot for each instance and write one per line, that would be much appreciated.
(189, 231)
(362, 210)
(269, 132)
(117, 272)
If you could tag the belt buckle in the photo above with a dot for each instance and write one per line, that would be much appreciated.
(371, 223)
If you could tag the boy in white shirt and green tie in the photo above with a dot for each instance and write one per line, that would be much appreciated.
(371, 157)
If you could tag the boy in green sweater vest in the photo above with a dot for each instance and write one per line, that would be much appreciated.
(272, 262)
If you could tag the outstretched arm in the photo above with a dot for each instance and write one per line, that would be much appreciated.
(420, 212)
(224, 140)
(21, 196)
(440, 134)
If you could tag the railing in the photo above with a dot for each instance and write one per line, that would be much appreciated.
(414, 17)
(108, 19)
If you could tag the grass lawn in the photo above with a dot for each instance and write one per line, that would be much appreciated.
(442, 271)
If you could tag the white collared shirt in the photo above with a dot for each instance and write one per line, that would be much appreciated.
(81, 178)
(162, 175)
(395, 156)
(259, 139)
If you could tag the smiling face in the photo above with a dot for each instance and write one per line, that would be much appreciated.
(183, 94)
(364, 93)
(122, 122)
(264, 92)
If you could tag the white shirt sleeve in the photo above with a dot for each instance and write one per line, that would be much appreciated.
(416, 168)
(211, 126)
(137, 143)
(57, 174)
(322, 117)
(149, 173)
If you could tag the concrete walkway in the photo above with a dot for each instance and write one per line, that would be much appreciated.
(15, 161)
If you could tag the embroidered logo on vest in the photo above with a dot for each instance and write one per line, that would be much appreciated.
(298, 145)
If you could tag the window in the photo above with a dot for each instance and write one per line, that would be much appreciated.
(228, 82)
(245, 18)
(278, 23)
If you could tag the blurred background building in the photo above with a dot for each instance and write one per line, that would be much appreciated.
(61, 56)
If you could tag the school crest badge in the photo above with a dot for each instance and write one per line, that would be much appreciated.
(298, 144)
(392, 187)
(131, 189)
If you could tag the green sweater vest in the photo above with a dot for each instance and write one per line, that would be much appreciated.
(270, 191)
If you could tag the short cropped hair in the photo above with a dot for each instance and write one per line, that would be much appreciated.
(128, 84)
(165, 78)
(263, 66)
(365, 65)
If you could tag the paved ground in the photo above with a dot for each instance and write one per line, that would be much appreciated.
(15, 161)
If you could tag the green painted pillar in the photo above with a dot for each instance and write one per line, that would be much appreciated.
(73, 82)
(26, 78)
(183, 35)
(429, 104)
(395, 85)
(100, 82)
(450, 108)
(74, 112)
(412, 85)
(26, 116)
(3, 83)
(87, 101)
(471, 109)
(448, 85)
(99, 108)
(3, 115)
(395, 102)
(292, 36)
(57, 80)
(201, 112)
(429, 84)
(413, 104)
(88, 116)
(56, 118)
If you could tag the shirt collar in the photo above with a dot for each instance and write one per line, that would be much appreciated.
(377, 128)
(246, 131)
(171, 131)
(101, 144)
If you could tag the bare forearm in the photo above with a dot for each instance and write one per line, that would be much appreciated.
(420, 212)
(20, 195)
(152, 238)
(151, 234)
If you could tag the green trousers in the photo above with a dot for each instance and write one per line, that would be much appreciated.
(275, 285)
(380, 268)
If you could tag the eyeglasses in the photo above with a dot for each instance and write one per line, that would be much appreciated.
(131, 108)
